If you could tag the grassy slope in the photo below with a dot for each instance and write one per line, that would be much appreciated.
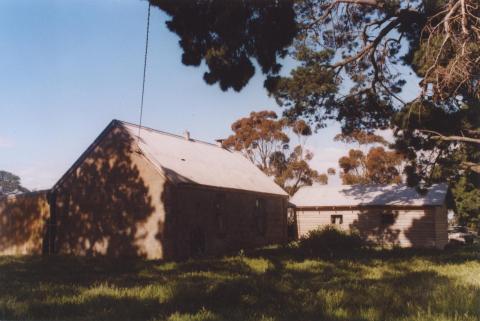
(270, 284)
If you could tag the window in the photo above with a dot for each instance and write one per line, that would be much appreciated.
(336, 219)
(260, 216)
(387, 218)
(219, 211)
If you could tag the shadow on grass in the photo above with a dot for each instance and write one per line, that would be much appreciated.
(459, 254)
(268, 284)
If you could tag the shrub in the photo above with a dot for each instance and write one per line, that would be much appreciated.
(329, 241)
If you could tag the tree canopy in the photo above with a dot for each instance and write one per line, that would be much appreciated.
(352, 62)
(10, 183)
(349, 53)
(230, 36)
(265, 141)
(378, 165)
(258, 137)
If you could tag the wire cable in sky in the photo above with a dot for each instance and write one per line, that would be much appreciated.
(144, 71)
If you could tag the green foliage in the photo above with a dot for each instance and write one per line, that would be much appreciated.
(312, 92)
(467, 200)
(309, 86)
(425, 55)
(267, 284)
(437, 160)
(329, 241)
(230, 35)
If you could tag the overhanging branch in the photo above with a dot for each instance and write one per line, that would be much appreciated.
(452, 138)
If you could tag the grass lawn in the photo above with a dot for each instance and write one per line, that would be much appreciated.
(267, 284)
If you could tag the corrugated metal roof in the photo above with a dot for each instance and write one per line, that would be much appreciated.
(191, 161)
(355, 195)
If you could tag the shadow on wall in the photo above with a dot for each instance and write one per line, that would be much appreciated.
(101, 204)
(388, 227)
(422, 230)
(377, 225)
(405, 226)
(22, 223)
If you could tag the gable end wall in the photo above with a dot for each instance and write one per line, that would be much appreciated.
(111, 202)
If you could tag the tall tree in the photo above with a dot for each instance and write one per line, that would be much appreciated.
(377, 166)
(264, 140)
(296, 172)
(258, 136)
(10, 183)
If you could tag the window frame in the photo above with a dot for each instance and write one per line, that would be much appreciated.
(334, 217)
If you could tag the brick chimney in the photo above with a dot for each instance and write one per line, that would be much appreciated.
(220, 142)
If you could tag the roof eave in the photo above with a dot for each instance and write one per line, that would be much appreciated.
(195, 185)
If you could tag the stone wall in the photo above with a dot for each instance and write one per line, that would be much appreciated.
(23, 221)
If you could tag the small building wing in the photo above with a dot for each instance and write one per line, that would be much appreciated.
(388, 215)
(363, 195)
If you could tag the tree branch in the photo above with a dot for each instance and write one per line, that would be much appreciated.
(389, 27)
(454, 138)
(472, 166)
(331, 6)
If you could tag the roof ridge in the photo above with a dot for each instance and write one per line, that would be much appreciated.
(169, 134)
(371, 185)
(396, 185)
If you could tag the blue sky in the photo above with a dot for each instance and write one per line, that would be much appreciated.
(68, 68)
